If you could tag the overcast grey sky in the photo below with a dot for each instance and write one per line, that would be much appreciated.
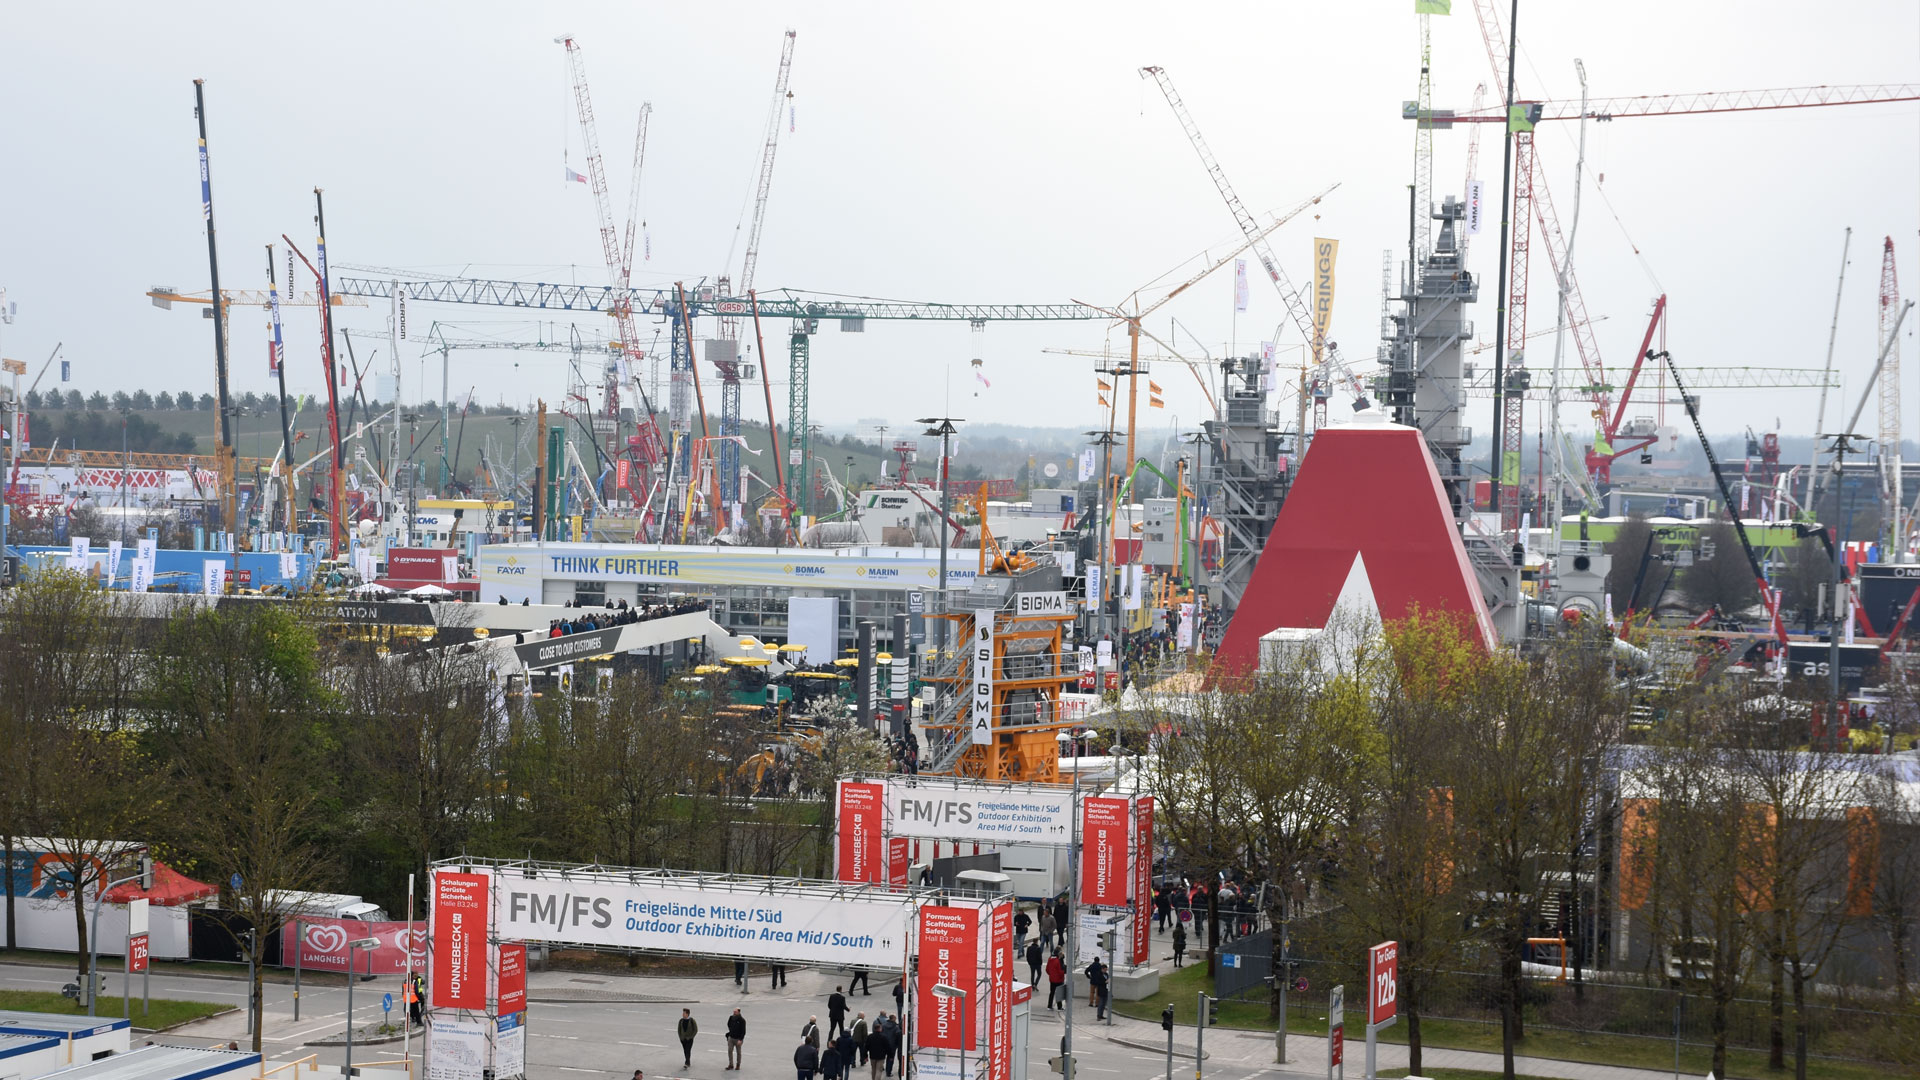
(987, 152)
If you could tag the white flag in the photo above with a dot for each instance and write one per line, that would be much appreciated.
(1086, 464)
(80, 547)
(1474, 190)
(146, 547)
(215, 580)
(1093, 586)
(113, 562)
(289, 566)
(1239, 284)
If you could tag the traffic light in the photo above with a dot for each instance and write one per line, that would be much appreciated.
(1166, 1018)
(146, 872)
(1213, 1011)
(1107, 941)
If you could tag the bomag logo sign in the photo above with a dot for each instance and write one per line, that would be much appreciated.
(511, 566)
(806, 571)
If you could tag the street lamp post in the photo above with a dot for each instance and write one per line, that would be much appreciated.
(943, 427)
(1070, 932)
(362, 943)
(946, 990)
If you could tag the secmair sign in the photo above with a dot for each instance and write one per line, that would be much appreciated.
(737, 919)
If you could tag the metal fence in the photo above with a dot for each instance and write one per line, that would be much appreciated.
(1836, 1030)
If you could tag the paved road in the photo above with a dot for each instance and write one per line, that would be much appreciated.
(608, 1040)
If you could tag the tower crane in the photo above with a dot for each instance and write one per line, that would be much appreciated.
(1533, 199)
(618, 256)
(806, 311)
(1325, 364)
(728, 457)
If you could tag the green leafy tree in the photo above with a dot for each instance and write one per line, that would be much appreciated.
(240, 716)
(32, 399)
(142, 400)
(163, 400)
(1721, 577)
(97, 401)
(75, 401)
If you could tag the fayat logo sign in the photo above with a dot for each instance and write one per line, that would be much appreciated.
(511, 566)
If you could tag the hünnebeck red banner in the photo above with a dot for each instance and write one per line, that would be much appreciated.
(1142, 876)
(950, 954)
(512, 976)
(1103, 858)
(459, 941)
(898, 861)
(860, 833)
(1000, 991)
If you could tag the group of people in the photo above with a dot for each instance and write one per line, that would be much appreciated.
(832, 1054)
(619, 613)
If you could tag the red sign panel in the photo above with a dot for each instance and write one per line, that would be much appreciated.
(898, 861)
(1142, 876)
(1103, 858)
(422, 564)
(622, 474)
(1336, 1047)
(1383, 982)
(950, 954)
(325, 947)
(459, 935)
(137, 952)
(1000, 991)
(512, 978)
(859, 831)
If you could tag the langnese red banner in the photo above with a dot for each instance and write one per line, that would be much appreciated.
(511, 977)
(899, 863)
(859, 832)
(325, 945)
(458, 937)
(1000, 993)
(1103, 855)
(1142, 877)
(949, 954)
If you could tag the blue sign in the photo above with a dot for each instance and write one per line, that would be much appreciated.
(235, 881)
(1231, 960)
(386, 1003)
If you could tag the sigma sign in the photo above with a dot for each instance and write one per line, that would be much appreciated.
(1040, 603)
(982, 722)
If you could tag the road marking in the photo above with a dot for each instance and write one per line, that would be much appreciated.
(551, 1035)
(569, 1068)
(630, 1042)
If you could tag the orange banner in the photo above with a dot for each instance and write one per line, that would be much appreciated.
(1639, 840)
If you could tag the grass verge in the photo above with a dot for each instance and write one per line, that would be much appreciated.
(1181, 989)
(165, 1012)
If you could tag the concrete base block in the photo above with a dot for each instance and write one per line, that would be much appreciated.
(1141, 982)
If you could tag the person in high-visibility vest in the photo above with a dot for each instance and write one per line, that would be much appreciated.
(414, 990)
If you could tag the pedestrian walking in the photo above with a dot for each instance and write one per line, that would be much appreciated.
(1162, 909)
(1061, 919)
(779, 976)
(416, 996)
(896, 1046)
(1097, 984)
(810, 1031)
(860, 1030)
(899, 998)
(1179, 942)
(1056, 979)
(875, 1048)
(830, 1064)
(1047, 927)
(739, 972)
(1035, 958)
(806, 1059)
(688, 1028)
(1022, 922)
(736, 1038)
(836, 1012)
(860, 981)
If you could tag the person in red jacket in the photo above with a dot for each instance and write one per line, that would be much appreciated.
(1056, 980)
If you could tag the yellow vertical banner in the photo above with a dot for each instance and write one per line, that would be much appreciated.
(1325, 254)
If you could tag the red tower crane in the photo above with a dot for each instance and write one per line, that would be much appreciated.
(1530, 182)
(619, 257)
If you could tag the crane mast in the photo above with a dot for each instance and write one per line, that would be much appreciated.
(728, 451)
(618, 255)
(1890, 464)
